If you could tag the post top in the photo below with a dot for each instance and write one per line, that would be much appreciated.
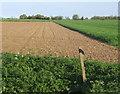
(81, 51)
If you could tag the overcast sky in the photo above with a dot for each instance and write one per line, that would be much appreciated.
(86, 9)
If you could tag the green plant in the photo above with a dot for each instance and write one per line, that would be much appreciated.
(102, 30)
(27, 73)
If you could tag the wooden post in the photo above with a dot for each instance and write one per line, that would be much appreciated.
(81, 56)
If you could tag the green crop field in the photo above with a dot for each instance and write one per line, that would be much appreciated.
(103, 30)
(24, 20)
(27, 73)
(44, 74)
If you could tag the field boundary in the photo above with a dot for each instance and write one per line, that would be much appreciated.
(23, 20)
(87, 35)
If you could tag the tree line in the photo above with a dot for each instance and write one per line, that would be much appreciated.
(105, 18)
(39, 16)
(74, 17)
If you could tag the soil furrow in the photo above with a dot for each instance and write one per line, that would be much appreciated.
(49, 36)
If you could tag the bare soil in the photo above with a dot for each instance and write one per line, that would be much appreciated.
(49, 37)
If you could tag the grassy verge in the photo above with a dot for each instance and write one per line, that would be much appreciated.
(25, 20)
(103, 30)
(26, 73)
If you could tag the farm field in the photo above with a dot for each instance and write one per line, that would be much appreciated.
(103, 30)
(59, 47)
(49, 37)
(24, 20)
(56, 75)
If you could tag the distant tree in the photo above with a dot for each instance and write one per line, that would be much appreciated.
(86, 18)
(95, 17)
(105, 17)
(39, 16)
(75, 17)
(29, 17)
(82, 18)
(118, 17)
(53, 18)
(46, 18)
(67, 18)
(111, 17)
(57, 18)
(23, 16)
(115, 17)
(33, 17)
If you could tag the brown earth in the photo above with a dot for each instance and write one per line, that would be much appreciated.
(53, 38)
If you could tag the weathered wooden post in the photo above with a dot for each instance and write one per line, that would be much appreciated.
(81, 56)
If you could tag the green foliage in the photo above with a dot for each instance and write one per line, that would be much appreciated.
(75, 17)
(23, 16)
(105, 17)
(82, 18)
(26, 73)
(37, 16)
(103, 30)
(57, 18)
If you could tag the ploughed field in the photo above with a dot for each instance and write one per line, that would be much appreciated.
(49, 37)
